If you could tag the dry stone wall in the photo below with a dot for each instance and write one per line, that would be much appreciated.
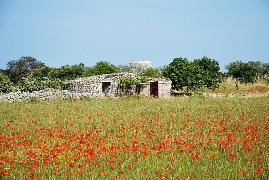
(41, 95)
(94, 86)
(165, 88)
(78, 88)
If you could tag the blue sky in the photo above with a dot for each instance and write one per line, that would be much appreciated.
(60, 32)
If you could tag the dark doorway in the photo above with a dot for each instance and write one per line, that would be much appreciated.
(154, 89)
(106, 87)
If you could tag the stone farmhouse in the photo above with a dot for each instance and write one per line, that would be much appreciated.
(109, 85)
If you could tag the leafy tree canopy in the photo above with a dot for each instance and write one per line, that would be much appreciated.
(210, 71)
(265, 69)
(101, 67)
(193, 75)
(67, 72)
(42, 72)
(5, 83)
(152, 72)
(24, 66)
(245, 72)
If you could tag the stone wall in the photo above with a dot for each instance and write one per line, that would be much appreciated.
(164, 88)
(41, 95)
(94, 86)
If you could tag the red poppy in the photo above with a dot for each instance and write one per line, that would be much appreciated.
(258, 171)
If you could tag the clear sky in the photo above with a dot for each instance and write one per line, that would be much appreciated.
(60, 32)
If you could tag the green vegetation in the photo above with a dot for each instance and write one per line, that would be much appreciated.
(191, 76)
(30, 74)
(126, 138)
(133, 80)
(22, 67)
(248, 72)
(101, 67)
(152, 72)
(5, 83)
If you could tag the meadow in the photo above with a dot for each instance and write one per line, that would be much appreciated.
(135, 138)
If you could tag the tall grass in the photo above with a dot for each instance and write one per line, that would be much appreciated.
(231, 86)
(131, 138)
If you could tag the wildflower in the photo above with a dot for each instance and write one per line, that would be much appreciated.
(129, 167)
(31, 154)
(32, 175)
(36, 164)
(46, 159)
(258, 171)
(3, 171)
(135, 146)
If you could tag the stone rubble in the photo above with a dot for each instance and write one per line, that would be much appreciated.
(40, 95)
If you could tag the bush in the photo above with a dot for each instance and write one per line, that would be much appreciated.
(183, 73)
(67, 72)
(244, 72)
(101, 67)
(30, 83)
(193, 76)
(5, 83)
(22, 67)
(210, 72)
(265, 72)
(151, 72)
(42, 72)
(132, 81)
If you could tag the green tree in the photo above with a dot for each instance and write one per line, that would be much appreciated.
(30, 83)
(265, 72)
(183, 74)
(210, 72)
(265, 69)
(101, 67)
(22, 67)
(5, 83)
(4, 71)
(245, 72)
(151, 72)
(67, 72)
(42, 72)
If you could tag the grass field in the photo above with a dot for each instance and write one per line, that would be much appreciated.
(129, 138)
(229, 86)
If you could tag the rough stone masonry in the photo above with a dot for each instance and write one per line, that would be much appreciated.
(106, 85)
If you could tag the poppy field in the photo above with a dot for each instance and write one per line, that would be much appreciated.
(135, 138)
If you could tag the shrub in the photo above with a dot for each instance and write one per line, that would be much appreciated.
(30, 83)
(22, 67)
(245, 72)
(210, 72)
(101, 67)
(183, 73)
(132, 81)
(5, 83)
(193, 76)
(67, 72)
(151, 72)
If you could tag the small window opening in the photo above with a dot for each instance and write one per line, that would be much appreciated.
(106, 87)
